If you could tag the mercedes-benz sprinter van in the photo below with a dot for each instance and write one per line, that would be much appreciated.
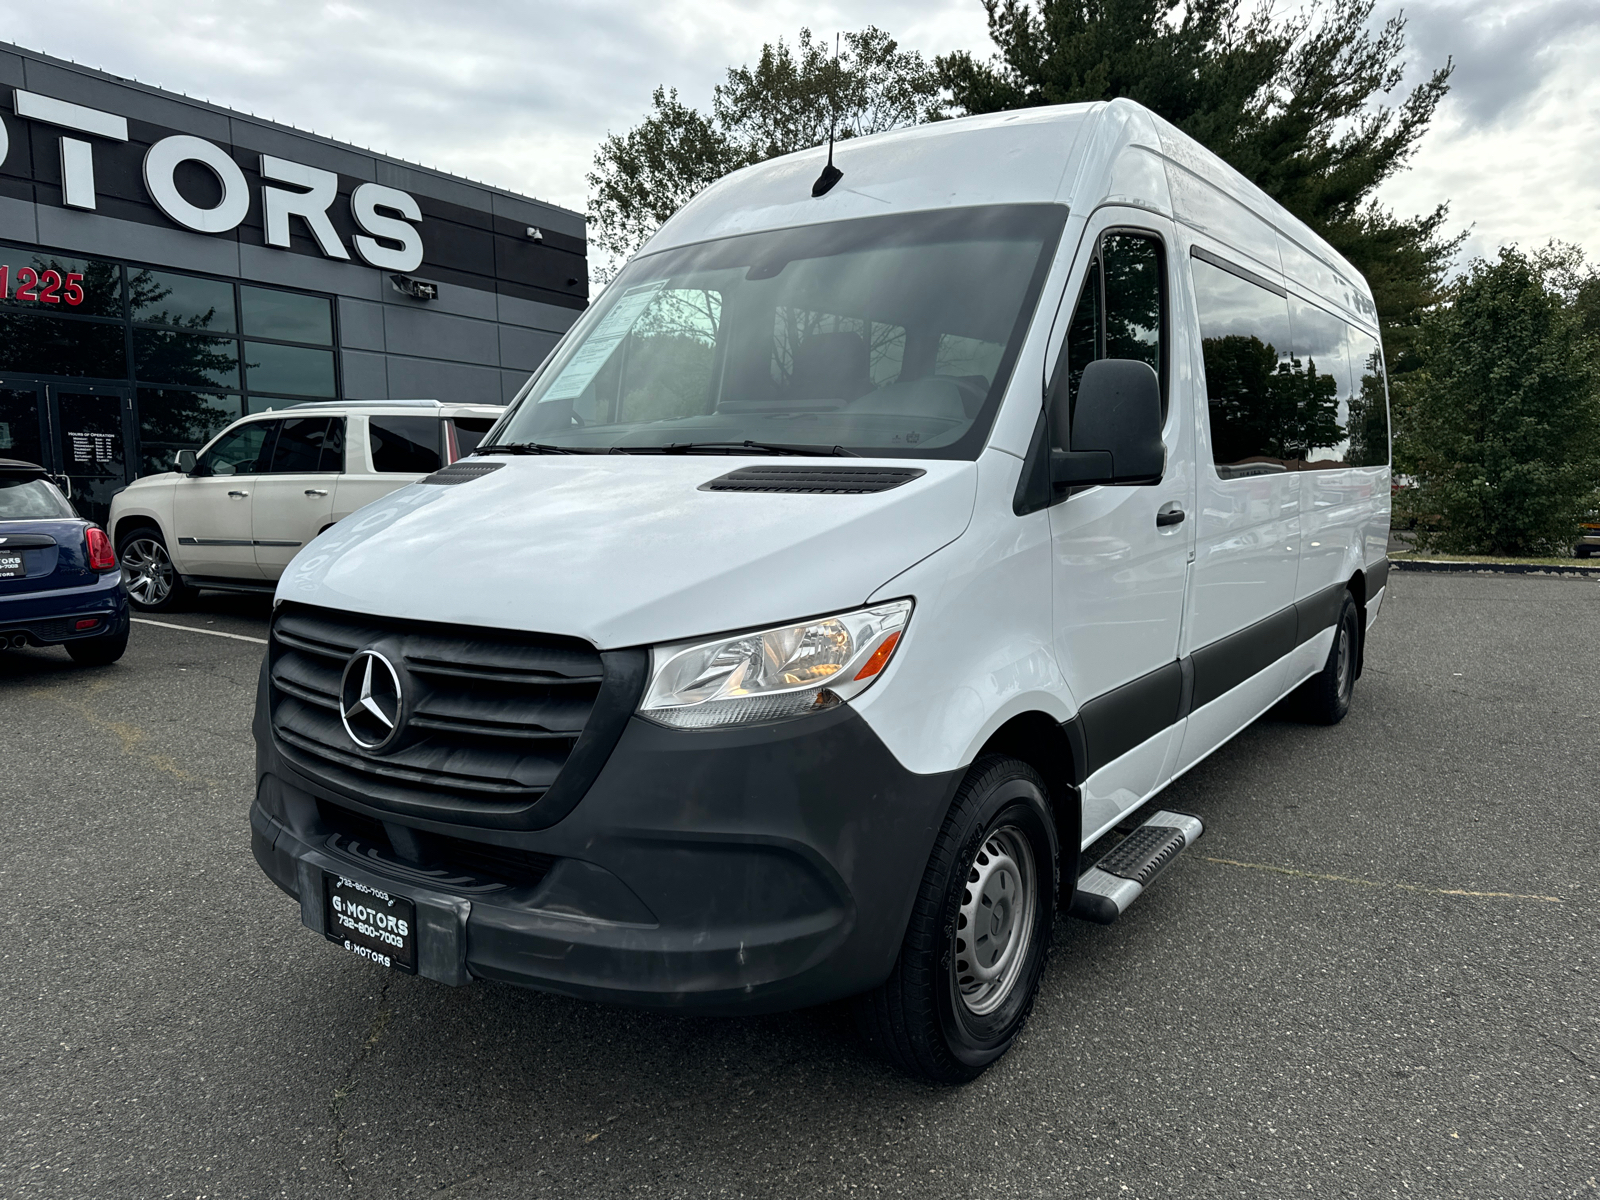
(873, 544)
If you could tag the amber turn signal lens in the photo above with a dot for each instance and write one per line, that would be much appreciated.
(880, 656)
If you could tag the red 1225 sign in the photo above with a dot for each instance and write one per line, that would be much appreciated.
(45, 287)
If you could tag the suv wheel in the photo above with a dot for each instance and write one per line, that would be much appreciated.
(979, 935)
(152, 582)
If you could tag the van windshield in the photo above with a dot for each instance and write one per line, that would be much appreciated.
(885, 336)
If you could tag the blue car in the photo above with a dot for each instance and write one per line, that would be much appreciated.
(59, 580)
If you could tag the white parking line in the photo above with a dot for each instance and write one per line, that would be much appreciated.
(238, 637)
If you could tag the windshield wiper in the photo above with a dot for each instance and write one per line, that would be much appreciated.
(531, 448)
(745, 447)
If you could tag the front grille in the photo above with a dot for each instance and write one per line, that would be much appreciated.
(449, 862)
(494, 720)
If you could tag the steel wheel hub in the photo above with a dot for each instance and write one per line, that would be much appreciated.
(994, 928)
(147, 571)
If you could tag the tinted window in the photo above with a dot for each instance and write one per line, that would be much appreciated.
(287, 316)
(60, 346)
(171, 419)
(307, 444)
(31, 500)
(1134, 297)
(185, 301)
(1317, 387)
(192, 359)
(19, 425)
(404, 444)
(1369, 406)
(1121, 311)
(239, 452)
(54, 283)
(1244, 330)
(291, 369)
(470, 431)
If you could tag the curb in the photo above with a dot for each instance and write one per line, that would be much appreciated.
(1451, 567)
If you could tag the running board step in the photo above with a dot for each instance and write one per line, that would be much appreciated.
(1106, 889)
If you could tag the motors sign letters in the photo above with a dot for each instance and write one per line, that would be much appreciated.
(379, 212)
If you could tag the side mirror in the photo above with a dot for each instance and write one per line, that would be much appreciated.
(185, 461)
(1115, 434)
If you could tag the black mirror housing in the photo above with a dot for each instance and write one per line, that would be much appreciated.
(184, 461)
(1116, 427)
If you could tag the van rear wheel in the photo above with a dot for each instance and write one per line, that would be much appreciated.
(975, 949)
(1325, 697)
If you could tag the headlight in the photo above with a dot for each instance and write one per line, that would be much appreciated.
(774, 673)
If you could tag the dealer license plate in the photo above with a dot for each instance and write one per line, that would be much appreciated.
(11, 564)
(379, 926)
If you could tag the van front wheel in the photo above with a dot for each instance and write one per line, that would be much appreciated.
(979, 934)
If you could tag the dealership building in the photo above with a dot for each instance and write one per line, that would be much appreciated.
(167, 266)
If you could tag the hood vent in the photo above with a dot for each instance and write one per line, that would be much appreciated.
(461, 472)
(813, 480)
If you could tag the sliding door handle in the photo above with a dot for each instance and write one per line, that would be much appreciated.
(1170, 513)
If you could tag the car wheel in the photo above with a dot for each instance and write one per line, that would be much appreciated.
(99, 651)
(975, 949)
(151, 580)
(1326, 696)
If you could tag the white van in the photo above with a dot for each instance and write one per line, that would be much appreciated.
(231, 517)
(855, 561)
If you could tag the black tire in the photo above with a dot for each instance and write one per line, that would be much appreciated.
(1325, 697)
(929, 1019)
(148, 574)
(99, 651)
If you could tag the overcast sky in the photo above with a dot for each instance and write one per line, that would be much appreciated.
(520, 94)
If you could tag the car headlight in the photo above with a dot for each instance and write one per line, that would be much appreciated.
(774, 673)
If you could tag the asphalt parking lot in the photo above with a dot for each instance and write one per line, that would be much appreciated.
(1375, 976)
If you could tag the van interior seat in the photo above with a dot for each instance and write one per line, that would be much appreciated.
(830, 366)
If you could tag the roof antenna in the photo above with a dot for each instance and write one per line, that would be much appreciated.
(830, 173)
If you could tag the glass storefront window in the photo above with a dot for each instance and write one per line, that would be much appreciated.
(295, 370)
(194, 359)
(51, 283)
(186, 301)
(171, 419)
(287, 316)
(61, 346)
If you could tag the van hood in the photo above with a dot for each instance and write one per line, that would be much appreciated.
(627, 550)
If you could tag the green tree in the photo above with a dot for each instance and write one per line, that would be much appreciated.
(783, 103)
(1503, 427)
(1294, 103)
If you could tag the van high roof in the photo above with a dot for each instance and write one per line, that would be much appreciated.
(1080, 155)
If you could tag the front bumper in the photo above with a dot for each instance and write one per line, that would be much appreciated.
(50, 618)
(756, 869)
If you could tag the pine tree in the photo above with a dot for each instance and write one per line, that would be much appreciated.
(1295, 104)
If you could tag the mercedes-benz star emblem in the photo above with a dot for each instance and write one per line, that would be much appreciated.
(369, 700)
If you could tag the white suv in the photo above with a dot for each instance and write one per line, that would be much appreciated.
(233, 516)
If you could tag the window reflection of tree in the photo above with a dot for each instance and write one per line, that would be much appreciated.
(36, 342)
(1264, 409)
(1369, 415)
(184, 358)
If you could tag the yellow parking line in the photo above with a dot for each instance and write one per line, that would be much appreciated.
(1405, 887)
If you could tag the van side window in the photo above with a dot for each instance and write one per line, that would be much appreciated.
(1244, 332)
(407, 445)
(1135, 299)
(1121, 311)
(1369, 406)
(1317, 388)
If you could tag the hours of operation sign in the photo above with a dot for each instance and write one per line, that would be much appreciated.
(92, 447)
